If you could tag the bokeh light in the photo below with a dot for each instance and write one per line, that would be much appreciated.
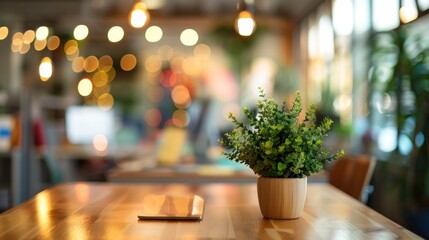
(153, 34)
(165, 52)
(84, 87)
(112, 74)
(387, 139)
(105, 101)
(24, 48)
(180, 95)
(153, 64)
(100, 143)
(98, 91)
(168, 78)
(153, 117)
(202, 51)
(105, 63)
(191, 66)
(45, 69)
(115, 34)
(71, 49)
(4, 32)
(176, 64)
(80, 32)
(245, 23)
(100, 78)
(128, 62)
(17, 39)
(189, 37)
(405, 145)
(91, 64)
(39, 45)
(420, 139)
(139, 15)
(42, 33)
(181, 118)
(78, 64)
(28, 37)
(53, 42)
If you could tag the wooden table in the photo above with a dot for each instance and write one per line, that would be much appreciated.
(200, 174)
(109, 211)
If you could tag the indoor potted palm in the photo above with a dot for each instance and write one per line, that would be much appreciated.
(282, 150)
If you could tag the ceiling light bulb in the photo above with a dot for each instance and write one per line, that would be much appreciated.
(139, 15)
(245, 23)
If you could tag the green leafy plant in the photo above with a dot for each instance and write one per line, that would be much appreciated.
(274, 143)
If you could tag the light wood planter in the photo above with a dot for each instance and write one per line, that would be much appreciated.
(282, 198)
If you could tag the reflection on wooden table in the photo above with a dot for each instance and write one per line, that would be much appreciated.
(109, 211)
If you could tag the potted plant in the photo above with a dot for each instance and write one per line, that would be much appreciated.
(282, 150)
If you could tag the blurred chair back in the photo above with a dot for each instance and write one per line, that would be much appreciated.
(351, 174)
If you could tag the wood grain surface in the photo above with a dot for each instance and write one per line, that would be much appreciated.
(109, 211)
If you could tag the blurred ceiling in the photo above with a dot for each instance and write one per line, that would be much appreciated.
(56, 11)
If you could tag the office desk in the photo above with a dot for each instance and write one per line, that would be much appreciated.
(109, 211)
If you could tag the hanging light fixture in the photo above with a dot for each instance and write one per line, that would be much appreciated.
(245, 24)
(139, 15)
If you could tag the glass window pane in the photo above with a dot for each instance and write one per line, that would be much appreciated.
(385, 15)
(361, 15)
(423, 4)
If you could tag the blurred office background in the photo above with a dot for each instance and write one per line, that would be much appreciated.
(82, 90)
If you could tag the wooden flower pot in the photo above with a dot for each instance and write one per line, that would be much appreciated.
(282, 198)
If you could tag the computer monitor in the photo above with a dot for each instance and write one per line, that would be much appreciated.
(85, 122)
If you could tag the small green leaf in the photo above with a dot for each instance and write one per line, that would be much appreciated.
(281, 166)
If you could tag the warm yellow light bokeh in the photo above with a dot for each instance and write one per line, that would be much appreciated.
(78, 64)
(408, 14)
(165, 52)
(4, 32)
(180, 95)
(105, 101)
(45, 69)
(153, 64)
(153, 34)
(100, 78)
(191, 66)
(115, 34)
(98, 91)
(42, 33)
(202, 51)
(189, 37)
(105, 63)
(71, 49)
(181, 118)
(53, 42)
(100, 143)
(245, 23)
(84, 87)
(139, 15)
(39, 45)
(91, 64)
(128, 62)
(24, 48)
(112, 74)
(80, 32)
(28, 37)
